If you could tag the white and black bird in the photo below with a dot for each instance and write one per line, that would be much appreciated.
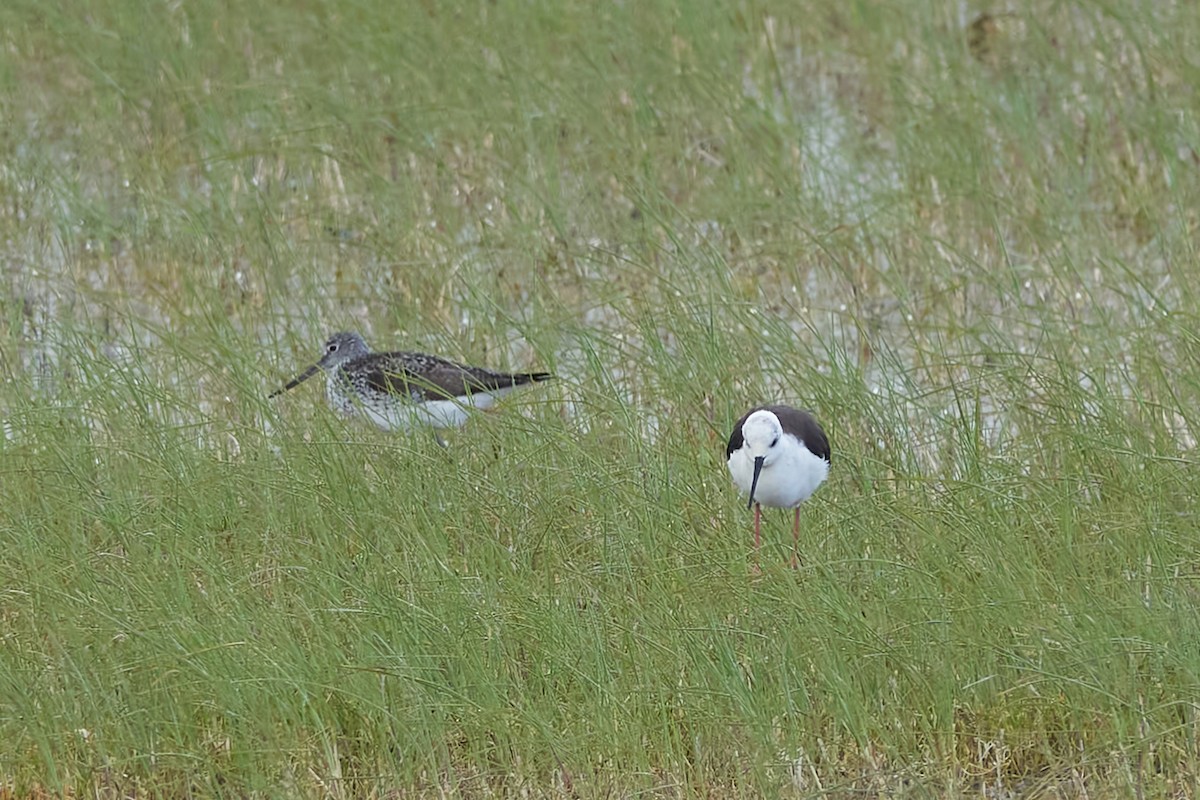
(778, 455)
(399, 389)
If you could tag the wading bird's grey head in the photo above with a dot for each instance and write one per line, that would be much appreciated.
(339, 348)
(761, 433)
(342, 347)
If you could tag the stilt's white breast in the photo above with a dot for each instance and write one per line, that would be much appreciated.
(787, 481)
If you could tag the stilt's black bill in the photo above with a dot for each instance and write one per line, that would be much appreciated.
(758, 465)
(296, 381)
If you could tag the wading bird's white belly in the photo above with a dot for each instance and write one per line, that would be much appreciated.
(398, 413)
(786, 483)
(433, 413)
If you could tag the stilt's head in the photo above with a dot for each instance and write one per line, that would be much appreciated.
(339, 348)
(761, 433)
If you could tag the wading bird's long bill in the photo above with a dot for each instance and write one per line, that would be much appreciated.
(296, 381)
(758, 465)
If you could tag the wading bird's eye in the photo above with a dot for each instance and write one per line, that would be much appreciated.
(333, 347)
(775, 441)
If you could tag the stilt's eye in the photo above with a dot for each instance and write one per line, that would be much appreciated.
(332, 348)
(775, 441)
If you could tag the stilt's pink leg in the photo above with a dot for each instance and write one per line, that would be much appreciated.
(796, 541)
(757, 522)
